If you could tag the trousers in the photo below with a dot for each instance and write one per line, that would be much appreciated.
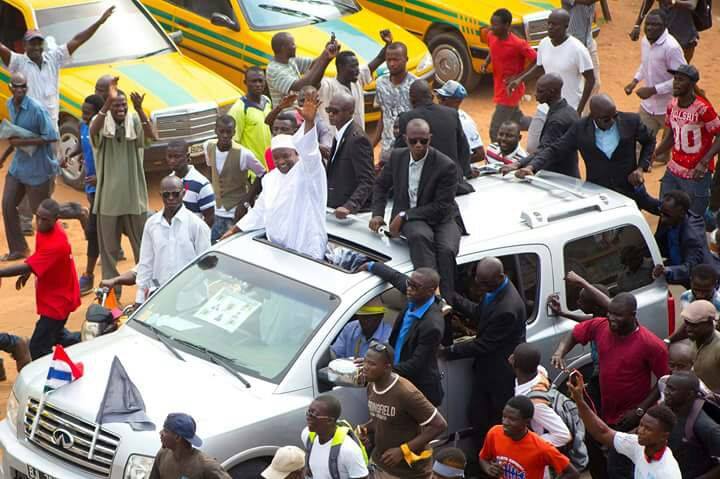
(698, 190)
(110, 230)
(436, 247)
(12, 196)
(49, 332)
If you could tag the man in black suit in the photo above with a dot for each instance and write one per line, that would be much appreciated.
(501, 319)
(350, 173)
(423, 181)
(448, 135)
(607, 140)
(418, 330)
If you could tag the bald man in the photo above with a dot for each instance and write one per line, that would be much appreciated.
(171, 239)
(350, 173)
(423, 182)
(501, 317)
(609, 142)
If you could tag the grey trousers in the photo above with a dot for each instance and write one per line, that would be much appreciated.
(110, 230)
(12, 196)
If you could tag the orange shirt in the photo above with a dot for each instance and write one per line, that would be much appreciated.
(523, 459)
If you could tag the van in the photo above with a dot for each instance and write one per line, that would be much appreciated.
(253, 324)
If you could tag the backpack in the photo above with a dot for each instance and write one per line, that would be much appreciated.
(576, 450)
(344, 429)
(702, 15)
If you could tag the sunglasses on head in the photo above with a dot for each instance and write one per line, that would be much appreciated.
(171, 194)
(415, 141)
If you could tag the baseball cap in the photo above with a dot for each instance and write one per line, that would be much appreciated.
(287, 459)
(33, 34)
(688, 70)
(452, 89)
(699, 311)
(184, 426)
(373, 307)
(282, 141)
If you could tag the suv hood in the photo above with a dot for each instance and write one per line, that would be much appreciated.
(166, 384)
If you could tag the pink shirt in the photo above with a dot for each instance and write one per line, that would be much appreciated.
(656, 59)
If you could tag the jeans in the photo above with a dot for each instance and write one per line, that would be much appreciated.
(698, 190)
(220, 227)
(49, 332)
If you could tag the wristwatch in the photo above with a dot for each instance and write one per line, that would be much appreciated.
(403, 216)
(639, 412)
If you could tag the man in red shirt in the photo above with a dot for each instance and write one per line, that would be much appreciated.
(57, 292)
(628, 355)
(509, 55)
(694, 128)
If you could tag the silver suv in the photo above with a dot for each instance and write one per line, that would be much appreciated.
(253, 324)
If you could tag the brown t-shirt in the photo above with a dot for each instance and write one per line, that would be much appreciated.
(398, 414)
(707, 363)
(196, 466)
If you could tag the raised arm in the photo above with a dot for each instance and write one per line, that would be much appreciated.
(137, 100)
(387, 38)
(98, 121)
(5, 54)
(593, 424)
(286, 102)
(600, 298)
(381, 190)
(317, 68)
(82, 37)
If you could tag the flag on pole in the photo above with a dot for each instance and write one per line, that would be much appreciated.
(121, 402)
(62, 372)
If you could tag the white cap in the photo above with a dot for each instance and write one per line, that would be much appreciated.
(287, 459)
(282, 141)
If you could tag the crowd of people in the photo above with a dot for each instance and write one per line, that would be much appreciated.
(280, 161)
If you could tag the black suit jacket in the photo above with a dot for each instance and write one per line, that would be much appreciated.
(418, 358)
(560, 118)
(436, 193)
(447, 133)
(611, 173)
(501, 327)
(350, 173)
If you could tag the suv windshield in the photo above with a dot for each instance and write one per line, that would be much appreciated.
(257, 319)
(274, 14)
(129, 33)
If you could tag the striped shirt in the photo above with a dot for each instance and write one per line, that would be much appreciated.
(281, 76)
(495, 155)
(199, 195)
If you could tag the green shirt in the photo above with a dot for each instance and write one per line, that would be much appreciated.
(250, 128)
(121, 187)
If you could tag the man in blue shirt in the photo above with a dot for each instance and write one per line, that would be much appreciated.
(367, 326)
(29, 173)
(418, 330)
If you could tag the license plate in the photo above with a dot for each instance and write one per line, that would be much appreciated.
(196, 150)
(35, 474)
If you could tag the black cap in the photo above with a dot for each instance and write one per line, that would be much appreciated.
(688, 70)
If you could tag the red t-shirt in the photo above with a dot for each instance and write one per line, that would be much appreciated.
(526, 458)
(57, 292)
(626, 363)
(509, 58)
(694, 129)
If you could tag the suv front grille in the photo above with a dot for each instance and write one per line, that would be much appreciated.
(68, 438)
(186, 123)
(537, 29)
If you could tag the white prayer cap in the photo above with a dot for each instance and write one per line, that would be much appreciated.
(282, 141)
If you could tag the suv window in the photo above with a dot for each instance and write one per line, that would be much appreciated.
(619, 259)
(12, 27)
(205, 8)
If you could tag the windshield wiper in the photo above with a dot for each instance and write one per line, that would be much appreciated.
(218, 359)
(162, 337)
(153, 53)
(291, 12)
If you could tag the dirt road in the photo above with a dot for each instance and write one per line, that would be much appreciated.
(619, 58)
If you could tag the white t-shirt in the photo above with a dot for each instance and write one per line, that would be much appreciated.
(471, 131)
(666, 468)
(351, 464)
(569, 60)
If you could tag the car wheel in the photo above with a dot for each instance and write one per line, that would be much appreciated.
(452, 60)
(249, 469)
(73, 174)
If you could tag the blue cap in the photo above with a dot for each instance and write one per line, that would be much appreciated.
(184, 426)
(452, 89)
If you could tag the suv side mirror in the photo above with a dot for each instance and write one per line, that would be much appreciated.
(176, 36)
(220, 20)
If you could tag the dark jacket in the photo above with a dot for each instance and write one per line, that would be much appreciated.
(447, 133)
(693, 248)
(418, 358)
(350, 173)
(611, 173)
(560, 118)
(436, 193)
(501, 327)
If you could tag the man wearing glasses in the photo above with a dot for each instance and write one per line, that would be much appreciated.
(424, 182)
(171, 239)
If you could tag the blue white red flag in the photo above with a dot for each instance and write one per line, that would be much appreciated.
(62, 370)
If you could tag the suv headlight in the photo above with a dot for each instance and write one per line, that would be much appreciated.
(13, 409)
(89, 330)
(425, 63)
(138, 467)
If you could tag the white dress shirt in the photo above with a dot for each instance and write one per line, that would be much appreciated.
(167, 247)
(656, 59)
(415, 169)
(545, 422)
(43, 82)
(291, 206)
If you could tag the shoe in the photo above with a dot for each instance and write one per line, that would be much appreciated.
(3, 376)
(86, 284)
(21, 353)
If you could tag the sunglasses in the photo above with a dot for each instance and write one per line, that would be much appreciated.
(171, 194)
(15, 85)
(314, 415)
(415, 141)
